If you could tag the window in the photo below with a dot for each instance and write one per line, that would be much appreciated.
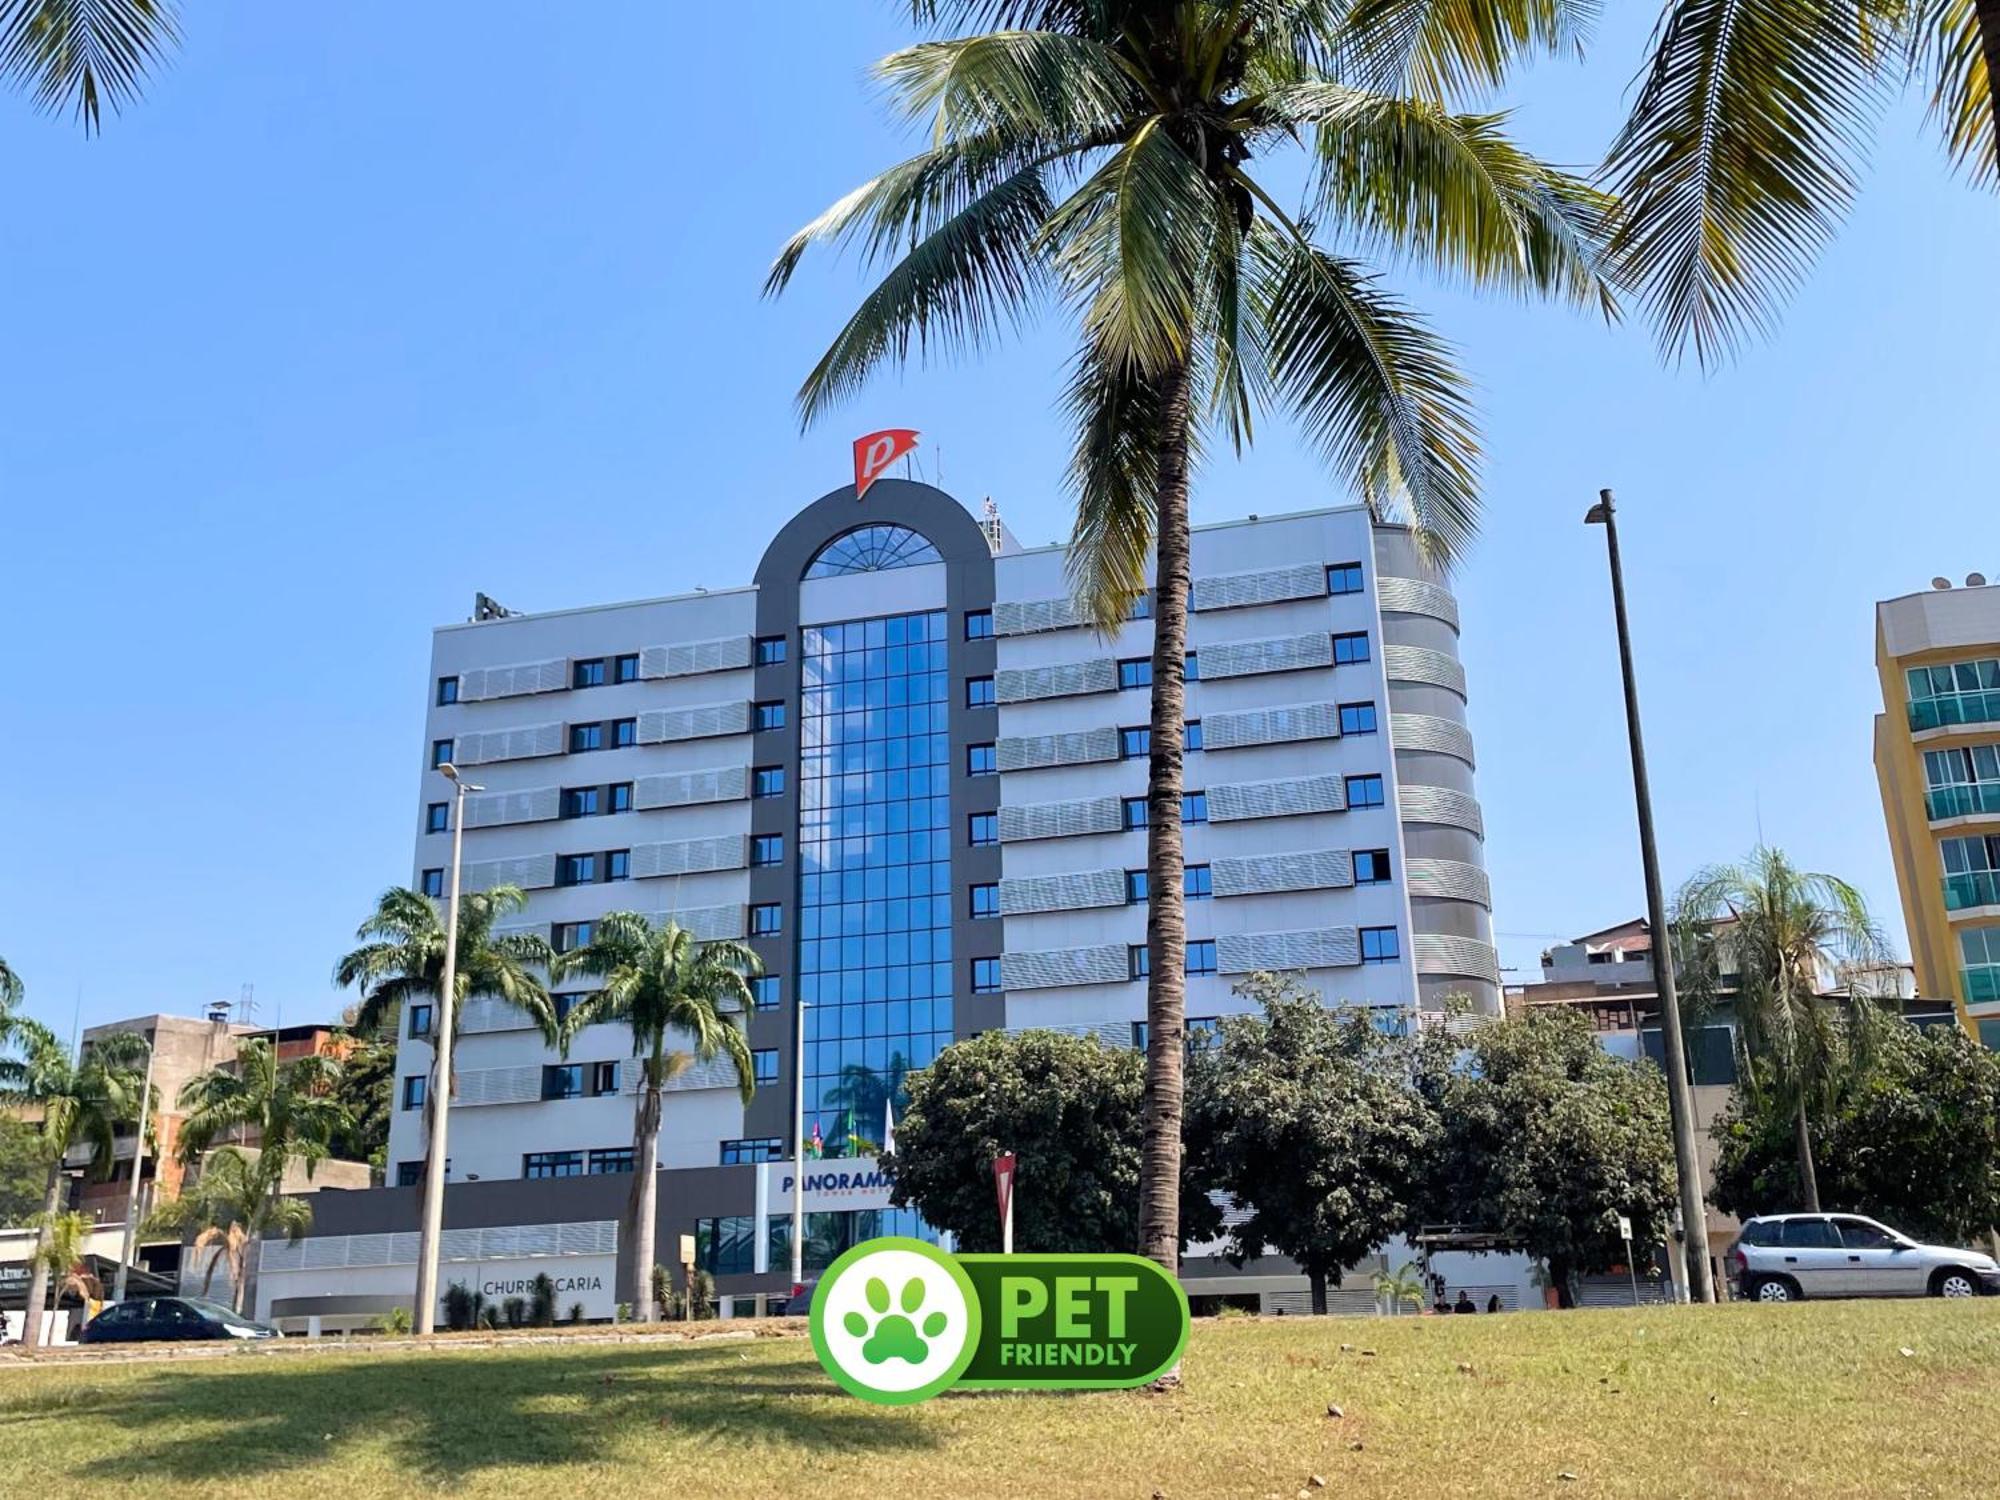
(1378, 945)
(986, 900)
(1350, 648)
(621, 796)
(585, 674)
(1196, 883)
(1135, 887)
(567, 1001)
(1371, 866)
(872, 549)
(981, 760)
(624, 732)
(604, 1078)
(727, 1246)
(585, 737)
(979, 624)
(1364, 791)
(764, 1065)
(764, 992)
(1200, 1031)
(1142, 606)
(408, 1174)
(420, 1020)
(606, 1160)
(1135, 672)
(552, 1164)
(1343, 578)
(770, 716)
(983, 830)
(413, 1091)
(618, 864)
(1194, 807)
(1133, 812)
(1191, 667)
(1860, 1234)
(434, 884)
(986, 976)
(1357, 718)
(1808, 1234)
(581, 802)
(576, 869)
(440, 752)
(562, 1080)
(1133, 743)
(767, 849)
(770, 650)
(743, 1153)
(979, 692)
(1193, 732)
(447, 691)
(566, 937)
(1138, 960)
(768, 781)
(625, 668)
(437, 817)
(1201, 956)
(767, 919)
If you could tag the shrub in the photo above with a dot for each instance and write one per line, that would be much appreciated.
(541, 1300)
(516, 1309)
(576, 1312)
(461, 1307)
(397, 1320)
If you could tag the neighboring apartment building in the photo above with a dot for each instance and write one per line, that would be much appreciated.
(901, 766)
(1937, 756)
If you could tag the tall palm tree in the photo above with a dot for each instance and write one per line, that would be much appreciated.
(11, 991)
(61, 1255)
(82, 1101)
(664, 986)
(1096, 157)
(234, 1206)
(1777, 939)
(79, 55)
(1746, 141)
(288, 1111)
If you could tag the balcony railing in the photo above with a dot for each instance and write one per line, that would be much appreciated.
(1973, 888)
(1981, 983)
(1980, 798)
(1955, 708)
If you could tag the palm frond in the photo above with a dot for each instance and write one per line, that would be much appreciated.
(79, 55)
(1114, 471)
(1041, 87)
(1947, 47)
(1444, 50)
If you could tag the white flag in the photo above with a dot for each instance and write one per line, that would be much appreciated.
(888, 1125)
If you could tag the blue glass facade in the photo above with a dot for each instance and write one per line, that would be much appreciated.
(874, 943)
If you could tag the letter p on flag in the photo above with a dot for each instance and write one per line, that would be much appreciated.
(875, 451)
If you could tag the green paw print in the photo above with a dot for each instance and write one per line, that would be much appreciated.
(895, 1335)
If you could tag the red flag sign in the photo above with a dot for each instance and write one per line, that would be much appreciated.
(874, 452)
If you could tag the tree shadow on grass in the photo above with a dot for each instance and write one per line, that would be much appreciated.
(447, 1416)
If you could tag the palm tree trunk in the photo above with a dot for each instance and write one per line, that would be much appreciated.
(645, 1187)
(1808, 1179)
(1166, 917)
(38, 1277)
(1988, 12)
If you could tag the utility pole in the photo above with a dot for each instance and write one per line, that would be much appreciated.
(138, 1160)
(1680, 1097)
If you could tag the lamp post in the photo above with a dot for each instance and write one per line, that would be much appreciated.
(1680, 1098)
(440, 1082)
(132, 1193)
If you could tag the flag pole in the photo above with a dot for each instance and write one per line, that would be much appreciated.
(799, 1158)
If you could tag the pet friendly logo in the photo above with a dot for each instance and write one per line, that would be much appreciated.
(896, 1321)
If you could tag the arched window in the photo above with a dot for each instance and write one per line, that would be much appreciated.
(872, 549)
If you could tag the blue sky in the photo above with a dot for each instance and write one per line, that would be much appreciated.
(367, 307)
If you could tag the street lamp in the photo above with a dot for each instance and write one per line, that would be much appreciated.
(1680, 1098)
(138, 1161)
(440, 1080)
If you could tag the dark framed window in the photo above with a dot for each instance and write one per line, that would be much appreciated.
(562, 1080)
(576, 869)
(539, 1164)
(420, 1020)
(409, 1173)
(767, 919)
(1201, 956)
(625, 668)
(1343, 578)
(440, 752)
(770, 715)
(764, 992)
(748, 1152)
(979, 692)
(1194, 807)
(1357, 718)
(603, 1078)
(1196, 882)
(1138, 960)
(764, 1066)
(1350, 648)
(985, 899)
(986, 976)
(587, 674)
(437, 817)
(1379, 946)
(434, 884)
(413, 1090)
(624, 732)
(982, 829)
(1135, 672)
(582, 801)
(566, 937)
(1132, 811)
(1364, 791)
(1135, 887)
(1133, 743)
(585, 737)
(1142, 606)
(982, 760)
(566, 1001)
(1191, 667)
(979, 624)
(1371, 866)
(618, 864)
(770, 650)
(1197, 1031)
(621, 796)
(447, 691)
(767, 849)
(1192, 731)
(606, 1161)
(767, 781)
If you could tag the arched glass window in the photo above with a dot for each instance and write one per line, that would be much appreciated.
(872, 549)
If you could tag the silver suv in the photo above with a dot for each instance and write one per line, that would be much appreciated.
(1784, 1257)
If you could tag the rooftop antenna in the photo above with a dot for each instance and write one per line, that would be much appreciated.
(990, 524)
(246, 1004)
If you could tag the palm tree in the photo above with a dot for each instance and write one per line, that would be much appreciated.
(1747, 138)
(81, 1101)
(660, 982)
(1095, 156)
(234, 1206)
(1400, 1288)
(11, 991)
(78, 55)
(61, 1255)
(1775, 939)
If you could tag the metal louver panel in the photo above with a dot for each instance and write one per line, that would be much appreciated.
(707, 922)
(482, 683)
(1430, 732)
(1310, 870)
(1033, 616)
(1269, 586)
(1459, 957)
(1081, 747)
(1326, 948)
(1441, 805)
(1063, 679)
(686, 788)
(1235, 803)
(1287, 653)
(504, 1241)
(689, 856)
(1414, 596)
(496, 809)
(1069, 892)
(525, 743)
(691, 658)
(1116, 1034)
(532, 872)
(1421, 664)
(1271, 726)
(1058, 820)
(1052, 968)
(522, 1085)
(663, 725)
(716, 1073)
(1449, 880)
(485, 1013)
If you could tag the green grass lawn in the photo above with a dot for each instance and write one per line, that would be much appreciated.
(1813, 1401)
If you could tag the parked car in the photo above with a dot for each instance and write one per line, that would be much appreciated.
(1786, 1257)
(157, 1319)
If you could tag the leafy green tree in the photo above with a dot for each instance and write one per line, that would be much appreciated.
(21, 1172)
(1547, 1139)
(1308, 1119)
(234, 1206)
(1776, 939)
(665, 987)
(79, 55)
(1748, 136)
(366, 1092)
(1107, 158)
